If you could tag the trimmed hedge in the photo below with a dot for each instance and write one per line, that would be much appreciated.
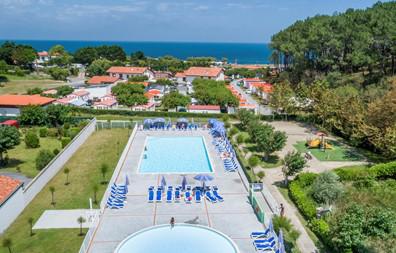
(303, 202)
(379, 171)
(321, 228)
(149, 114)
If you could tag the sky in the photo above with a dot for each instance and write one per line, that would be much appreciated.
(159, 20)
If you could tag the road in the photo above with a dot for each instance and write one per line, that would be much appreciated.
(261, 109)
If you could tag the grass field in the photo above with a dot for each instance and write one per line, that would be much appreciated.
(103, 146)
(20, 85)
(339, 152)
(24, 158)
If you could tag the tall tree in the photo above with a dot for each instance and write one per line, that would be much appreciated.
(292, 164)
(9, 138)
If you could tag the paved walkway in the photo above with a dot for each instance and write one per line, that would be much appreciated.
(64, 218)
(234, 217)
(262, 109)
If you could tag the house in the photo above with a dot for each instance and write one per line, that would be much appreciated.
(106, 104)
(11, 200)
(99, 86)
(150, 107)
(50, 92)
(190, 74)
(126, 72)
(10, 105)
(261, 89)
(81, 94)
(203, 108)
(42, 57)
(162, 75)
(248, 81)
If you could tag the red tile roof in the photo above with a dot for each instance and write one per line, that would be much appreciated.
(202, 71)
(64, 101)
(255, 79)
(50, 92)
(80, 93)
(43, 53)
(154, 92)
(107, 102)
(7, 186)
(103, 79)
(127, 70)
(180, 75)
(266, 87)
(24, 100)
(204, 107)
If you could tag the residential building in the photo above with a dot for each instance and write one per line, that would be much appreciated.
(10, 105)
(81, 94)
(127, 72)
(106, 104)
(162, 75)
(203, 109)
(99, 86)
(42, 57)
(10, 187)
(150, 106)
(192, 73)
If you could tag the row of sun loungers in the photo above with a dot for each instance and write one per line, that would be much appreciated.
(117, 196)
(264, 241)
(176, 195)
(170, 127)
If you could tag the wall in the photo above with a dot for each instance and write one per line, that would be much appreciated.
(11, 208)
(9, 111)
(21, 198)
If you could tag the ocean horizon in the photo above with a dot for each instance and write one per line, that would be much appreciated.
(235, 52)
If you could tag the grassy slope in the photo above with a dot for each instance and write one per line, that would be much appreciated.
(25, 157)
(100, 148)
(20, 85)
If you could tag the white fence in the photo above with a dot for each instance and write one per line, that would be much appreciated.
(89, 236)
(45, 175)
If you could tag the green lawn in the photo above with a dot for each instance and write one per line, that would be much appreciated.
(24, 158)
(20, 84)
(103, 146)
(339, 152)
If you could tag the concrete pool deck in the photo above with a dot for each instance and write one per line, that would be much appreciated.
(233, 217)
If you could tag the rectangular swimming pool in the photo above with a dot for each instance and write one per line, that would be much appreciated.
(175, 155)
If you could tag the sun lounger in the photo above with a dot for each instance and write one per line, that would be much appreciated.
(151, 195)
(177, 195)
(198, 196)
(264, 241)
(114, 205)
(265, 246)
(117, 196)
(217, 196)
(188, 197)
(260, 234)
(158, 196)
(210, 197)
(169, 193)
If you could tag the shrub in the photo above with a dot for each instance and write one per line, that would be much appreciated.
(240, 138)
(280, 222)
(321, 228)
(43, 132)
(52, 132)
(305, 179)
(379, 171)
(304, 203)
(43, 158)
(261, 175)
(55, 151)
(73, 132)
(31, 139)
(65, 141)
(326, 188)
(227, 125)
(351, 174)
(253, 161)
(233, 131)
(384, 170)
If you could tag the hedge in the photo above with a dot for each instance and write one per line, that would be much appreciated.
(303, 202)
(149, 114)
(379, 171)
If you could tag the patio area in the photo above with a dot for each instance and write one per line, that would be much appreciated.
(233, 217)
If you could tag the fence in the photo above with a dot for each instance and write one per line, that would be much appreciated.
(89, 236)
(258, 209)
(108, 124)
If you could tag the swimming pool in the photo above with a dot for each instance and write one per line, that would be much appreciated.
(175, 155)
(182, 238)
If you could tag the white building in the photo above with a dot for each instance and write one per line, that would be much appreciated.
(190, 74)
(127, 72)
(100, 86)
(203, 109)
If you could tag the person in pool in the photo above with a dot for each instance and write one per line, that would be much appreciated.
(172, 222)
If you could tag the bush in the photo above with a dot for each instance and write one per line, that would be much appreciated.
(240, 138)
(43, 158)
(253, 161)
(261, 175)
(227, 125)
(321, 228)
(383, 170)
(305, 179)
(31, 139)
(65, 141)
(233, 131)
(73, 132)
(379, 171)
(52, 132)
(43, 132)
(55, 151)
(303, 202)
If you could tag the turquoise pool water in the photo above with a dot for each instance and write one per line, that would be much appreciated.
(175, 155)
(182, 238)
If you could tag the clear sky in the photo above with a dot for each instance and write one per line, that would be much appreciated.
(159, 20)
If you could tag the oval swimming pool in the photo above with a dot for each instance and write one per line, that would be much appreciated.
(182, 238)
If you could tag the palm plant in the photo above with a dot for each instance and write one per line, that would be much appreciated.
(80, 221)
(66, 171)
(30, 221)
(7, 243)
(52, 190)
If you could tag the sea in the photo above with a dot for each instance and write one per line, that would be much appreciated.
(239, 53)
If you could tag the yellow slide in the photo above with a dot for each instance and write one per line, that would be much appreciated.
(315, 143)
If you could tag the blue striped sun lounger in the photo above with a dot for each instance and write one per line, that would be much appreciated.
(210, 197)
(158, 197)
(217, 196)
(264, 241)
(198, 196)
(151, 195)
(169, 194)
(265, 233)
(188, 197)
(265, 246)
(177, 195)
